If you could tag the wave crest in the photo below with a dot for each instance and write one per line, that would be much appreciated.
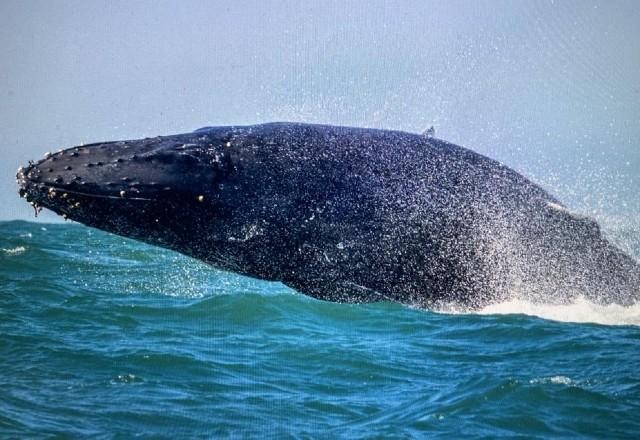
(580, 310)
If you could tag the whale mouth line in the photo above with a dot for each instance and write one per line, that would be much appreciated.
(40, 193)
(98, 196)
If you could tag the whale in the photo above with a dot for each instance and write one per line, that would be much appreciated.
(342, 214)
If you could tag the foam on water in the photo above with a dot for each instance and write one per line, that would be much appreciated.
(581, 311)
(556, 380)
(18, 250)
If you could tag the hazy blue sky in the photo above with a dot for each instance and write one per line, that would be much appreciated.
(552, 88)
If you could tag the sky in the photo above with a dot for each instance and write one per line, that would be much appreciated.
(551, 88)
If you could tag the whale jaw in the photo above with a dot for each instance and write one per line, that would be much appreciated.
(143, 189)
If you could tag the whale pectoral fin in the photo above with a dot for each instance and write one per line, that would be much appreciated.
(336, 291)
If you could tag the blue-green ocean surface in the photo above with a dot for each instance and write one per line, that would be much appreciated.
(104, 337)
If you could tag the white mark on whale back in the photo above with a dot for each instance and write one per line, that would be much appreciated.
(559, 208)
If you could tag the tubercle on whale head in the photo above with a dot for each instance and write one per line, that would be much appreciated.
(143, 189)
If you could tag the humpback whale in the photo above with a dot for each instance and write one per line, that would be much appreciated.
(340, 213)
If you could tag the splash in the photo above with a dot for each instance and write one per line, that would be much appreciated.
(580, 310)
(19, 250)
(555, 380)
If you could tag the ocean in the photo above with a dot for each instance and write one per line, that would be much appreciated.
(105, 337)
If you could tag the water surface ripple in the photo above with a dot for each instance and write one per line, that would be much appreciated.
(108, 338)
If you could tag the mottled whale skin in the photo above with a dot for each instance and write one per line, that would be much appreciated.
(339, 213)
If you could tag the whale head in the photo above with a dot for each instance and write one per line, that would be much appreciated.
(166, 191)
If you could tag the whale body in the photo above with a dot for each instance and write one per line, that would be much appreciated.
(340, 213)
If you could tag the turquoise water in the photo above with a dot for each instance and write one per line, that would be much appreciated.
(105, 337)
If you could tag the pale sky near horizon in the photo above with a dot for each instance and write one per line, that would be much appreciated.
(549, 87)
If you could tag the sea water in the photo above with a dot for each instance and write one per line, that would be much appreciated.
(105, 337)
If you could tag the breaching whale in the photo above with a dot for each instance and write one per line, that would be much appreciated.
(339, 213)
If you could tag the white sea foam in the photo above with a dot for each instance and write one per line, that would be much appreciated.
(18, 250)
(581, 310)
(556, 380)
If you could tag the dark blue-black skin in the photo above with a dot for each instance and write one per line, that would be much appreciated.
(339, 213)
